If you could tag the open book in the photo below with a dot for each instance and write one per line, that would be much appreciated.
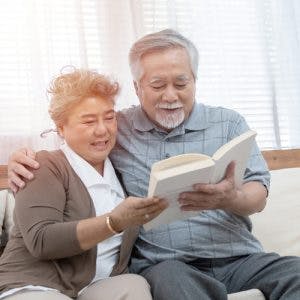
(172, 176)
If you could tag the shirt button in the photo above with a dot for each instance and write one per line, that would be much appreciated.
(167, 155)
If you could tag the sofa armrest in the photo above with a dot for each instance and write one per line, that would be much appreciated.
(7, 203)
(2, 217)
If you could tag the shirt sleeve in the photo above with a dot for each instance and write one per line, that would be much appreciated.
(257, 169)
(39, 212)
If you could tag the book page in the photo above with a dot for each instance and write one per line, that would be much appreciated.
(238, 150)
(179, 164)
(178, 160)
(170, 188)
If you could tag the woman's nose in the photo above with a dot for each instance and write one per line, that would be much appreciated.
(100, 128)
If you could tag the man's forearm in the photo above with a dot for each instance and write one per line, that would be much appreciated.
(250, 199)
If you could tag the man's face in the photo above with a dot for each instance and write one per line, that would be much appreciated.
(166, 89)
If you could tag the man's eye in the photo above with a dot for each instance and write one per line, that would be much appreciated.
(158, 87)
(180, 86)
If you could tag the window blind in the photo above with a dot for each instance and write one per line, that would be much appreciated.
(249, 57)
(243, 64)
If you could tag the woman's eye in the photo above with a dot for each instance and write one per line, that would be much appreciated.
(110, 117)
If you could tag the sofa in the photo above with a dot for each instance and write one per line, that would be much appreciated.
(277, 226)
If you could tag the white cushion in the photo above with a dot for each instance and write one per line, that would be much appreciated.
(9, 212)
(277, 226)
(2, 208)
(253, 294)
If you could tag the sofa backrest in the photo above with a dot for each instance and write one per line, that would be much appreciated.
(3, 177)
(282, 159)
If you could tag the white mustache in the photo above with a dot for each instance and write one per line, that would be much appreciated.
(166, 105)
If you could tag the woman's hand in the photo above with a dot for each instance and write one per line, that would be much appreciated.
(136, 211)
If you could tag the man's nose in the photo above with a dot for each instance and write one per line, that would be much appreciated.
(170, 94)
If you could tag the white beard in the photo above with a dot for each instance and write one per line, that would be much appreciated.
(169, 120)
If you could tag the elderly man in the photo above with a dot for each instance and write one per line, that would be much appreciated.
(214, 253)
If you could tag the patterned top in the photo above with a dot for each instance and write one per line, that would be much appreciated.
(211, 234)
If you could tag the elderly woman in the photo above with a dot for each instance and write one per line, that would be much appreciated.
(73, 229)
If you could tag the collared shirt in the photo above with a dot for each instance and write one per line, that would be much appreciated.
(106, 193)
(211, 234)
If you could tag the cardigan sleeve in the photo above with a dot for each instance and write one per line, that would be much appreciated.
(39, 213)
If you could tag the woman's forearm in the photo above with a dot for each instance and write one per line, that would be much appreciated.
(92, 231)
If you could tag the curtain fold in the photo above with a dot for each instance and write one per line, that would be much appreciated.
(249, 58)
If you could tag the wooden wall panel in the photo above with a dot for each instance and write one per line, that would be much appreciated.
(3, 176)
(279, 159)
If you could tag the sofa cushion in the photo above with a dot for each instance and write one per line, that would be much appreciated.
(253, 294)
(9, 212)
(7, 203)
(277, 226)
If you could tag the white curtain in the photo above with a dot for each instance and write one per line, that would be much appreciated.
(249, 58)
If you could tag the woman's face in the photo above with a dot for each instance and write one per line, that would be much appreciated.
(91, 129)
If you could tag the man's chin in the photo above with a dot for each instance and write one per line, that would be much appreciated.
(169, 126)
(170, 121)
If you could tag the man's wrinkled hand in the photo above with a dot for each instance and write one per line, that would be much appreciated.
(18, 165)
(211, 196)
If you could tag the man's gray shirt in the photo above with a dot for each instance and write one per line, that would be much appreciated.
(211, 234)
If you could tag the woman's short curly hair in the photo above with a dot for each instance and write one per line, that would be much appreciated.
(70, 88)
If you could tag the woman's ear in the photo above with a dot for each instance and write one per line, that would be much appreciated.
(60, 131)
(136, 87)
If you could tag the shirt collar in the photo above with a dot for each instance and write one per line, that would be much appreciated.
(141, 121)
(89, 175)
(197, 120)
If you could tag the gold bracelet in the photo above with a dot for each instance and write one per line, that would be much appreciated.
(108, 223)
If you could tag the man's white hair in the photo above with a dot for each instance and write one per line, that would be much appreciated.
(160, 41)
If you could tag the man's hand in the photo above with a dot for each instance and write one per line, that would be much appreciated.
(211, 196)
(18, 165)
(246, 200)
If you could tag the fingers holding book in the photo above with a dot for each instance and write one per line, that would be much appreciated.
(211, 196)
(137, 211)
